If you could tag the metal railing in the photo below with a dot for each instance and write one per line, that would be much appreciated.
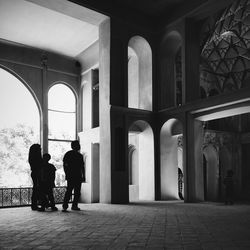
(16, 197)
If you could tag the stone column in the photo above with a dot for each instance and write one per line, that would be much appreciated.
(104, 98)
(44, 132)
(192, 159)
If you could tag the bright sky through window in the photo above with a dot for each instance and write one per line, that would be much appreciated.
(61, 98)
(16, 103)
(19, 129)
(62, 106)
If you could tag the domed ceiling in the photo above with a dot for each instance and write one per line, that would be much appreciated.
(225, 62)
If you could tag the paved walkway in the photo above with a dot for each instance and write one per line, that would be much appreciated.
(158, 225)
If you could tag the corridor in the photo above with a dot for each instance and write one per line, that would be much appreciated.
(156, 225)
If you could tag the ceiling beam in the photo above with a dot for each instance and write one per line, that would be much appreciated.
(123, 13)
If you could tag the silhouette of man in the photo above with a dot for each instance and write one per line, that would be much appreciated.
(35, 161)
(48, 183)
(75, 174)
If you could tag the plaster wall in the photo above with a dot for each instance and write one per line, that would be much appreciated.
(95, 187)
(212, 173)
(146, 165)
(89, 57)
(104, 93)
(86, 101)
(226, 163)
(198, 171)
(144, 54)
(87, 139)
(134, 187)
(133, 80)
(169, 167)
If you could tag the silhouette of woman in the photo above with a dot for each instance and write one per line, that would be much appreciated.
(35, 161)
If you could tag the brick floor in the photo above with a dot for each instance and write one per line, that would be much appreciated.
(157, 225)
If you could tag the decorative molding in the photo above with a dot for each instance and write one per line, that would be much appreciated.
(19, 63)
(44, 59)
(217, 138)
(180, 141)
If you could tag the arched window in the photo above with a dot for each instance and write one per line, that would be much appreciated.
(62, 125)
(19, 129)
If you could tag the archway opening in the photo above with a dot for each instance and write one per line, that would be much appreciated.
(225, 147)
(139, 74)
(19, 129)
(172, 172)
(141, 162)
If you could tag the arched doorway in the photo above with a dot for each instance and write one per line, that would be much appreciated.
(141, 162)
(210, 173)
(171, 160)
(19, 129)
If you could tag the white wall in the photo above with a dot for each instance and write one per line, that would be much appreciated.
(143, 52)
(86, 101)
(87, 139)
(146, 165)
(169, 159)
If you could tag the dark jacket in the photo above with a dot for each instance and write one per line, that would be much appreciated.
(74, 166)
(48, 174)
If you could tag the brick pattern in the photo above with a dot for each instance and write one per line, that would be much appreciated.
(157, 225)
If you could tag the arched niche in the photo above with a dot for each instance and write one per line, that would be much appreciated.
(133, 161)
(141, 141)
(20, 127)
(170, 153)
(211, 173)
(139, 74)
(171, 69)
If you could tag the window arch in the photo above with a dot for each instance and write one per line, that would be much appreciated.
(61, 125)
(19, 129)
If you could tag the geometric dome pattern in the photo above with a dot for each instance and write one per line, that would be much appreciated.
(226, 52)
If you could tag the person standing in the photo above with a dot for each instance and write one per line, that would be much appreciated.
(73, 165)
(48, 183)
(35, 161)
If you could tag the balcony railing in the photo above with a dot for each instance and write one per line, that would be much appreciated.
(16, 197)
